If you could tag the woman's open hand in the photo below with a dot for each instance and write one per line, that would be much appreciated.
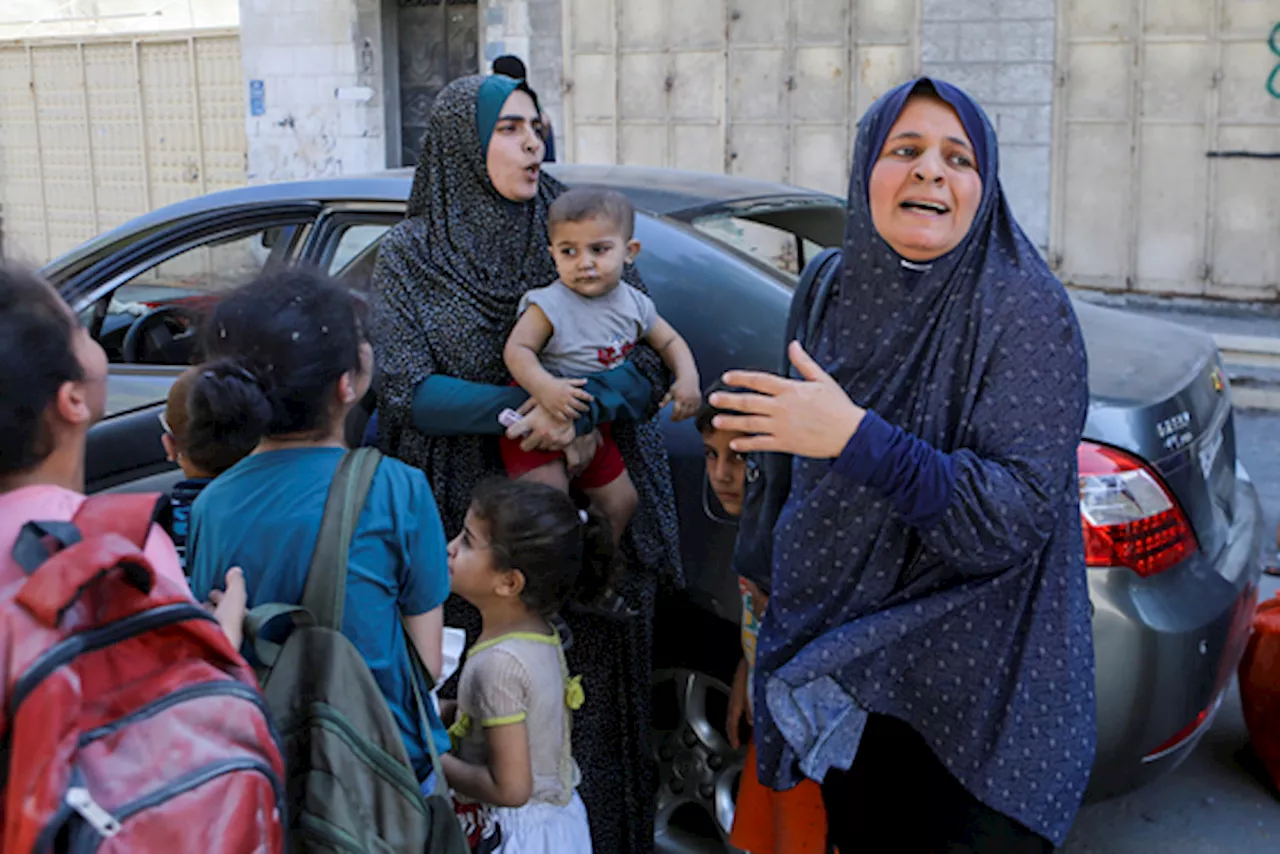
(810, 417)
(541, 430)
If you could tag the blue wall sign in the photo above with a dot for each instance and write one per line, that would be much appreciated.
(257, 97)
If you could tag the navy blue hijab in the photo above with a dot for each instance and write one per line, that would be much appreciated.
(969, 622)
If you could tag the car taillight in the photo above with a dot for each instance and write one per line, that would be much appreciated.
(1129, 517)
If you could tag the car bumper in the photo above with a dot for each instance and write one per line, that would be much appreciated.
(1166, 650)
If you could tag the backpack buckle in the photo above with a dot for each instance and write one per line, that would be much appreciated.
(79, 799)
(39, 541)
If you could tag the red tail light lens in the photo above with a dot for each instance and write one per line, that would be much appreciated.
(1130, 519)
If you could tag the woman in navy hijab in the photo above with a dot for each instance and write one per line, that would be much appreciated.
(927, 653)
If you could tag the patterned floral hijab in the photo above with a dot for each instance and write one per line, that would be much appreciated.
(483, 246)
(446, 287)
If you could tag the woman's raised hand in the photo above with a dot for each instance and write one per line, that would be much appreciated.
(810, 417)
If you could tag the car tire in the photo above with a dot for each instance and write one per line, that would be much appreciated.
(698, 770)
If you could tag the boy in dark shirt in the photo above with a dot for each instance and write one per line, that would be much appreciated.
(765, 821)
(202, 458)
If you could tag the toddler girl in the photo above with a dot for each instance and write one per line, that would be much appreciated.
(524, 550)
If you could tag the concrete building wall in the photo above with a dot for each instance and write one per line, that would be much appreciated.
(31, 19)
(315, 92)
(1002, 53)
(1165, 172)
(95, 130)
(533, 31)
(759, 88)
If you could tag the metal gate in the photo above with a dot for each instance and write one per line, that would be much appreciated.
(1167, 149)
(96, 131)
(439, 41)
(771, 89)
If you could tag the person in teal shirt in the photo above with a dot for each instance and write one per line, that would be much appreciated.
(287, 363)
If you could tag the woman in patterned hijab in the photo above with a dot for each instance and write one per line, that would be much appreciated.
(446, 286)
(927, 652)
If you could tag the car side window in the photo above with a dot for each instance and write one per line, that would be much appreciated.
(356, 239)
(774, 246)
(784, 239)
(153, 317)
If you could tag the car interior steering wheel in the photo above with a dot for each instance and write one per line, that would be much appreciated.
(162, 336)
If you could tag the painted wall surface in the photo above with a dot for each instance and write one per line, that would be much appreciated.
(1167, 150)
(97, 130)
(532, 30)
(30, 19)
(1137, 138)
(764, 88)
(1002, 53)
(314, 90)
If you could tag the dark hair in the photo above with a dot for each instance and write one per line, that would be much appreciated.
(207, 450)
(582, 203)
(510, 66)
(275, 348)
(926, 88)
(537, 529)
(707, 412)
(37, 355)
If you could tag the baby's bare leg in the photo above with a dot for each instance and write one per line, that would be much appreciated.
(617, 501)
(552, 474)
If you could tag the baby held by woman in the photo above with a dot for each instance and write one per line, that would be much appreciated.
(585, 323)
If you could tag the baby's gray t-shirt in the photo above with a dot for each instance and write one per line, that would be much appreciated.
(590, 334)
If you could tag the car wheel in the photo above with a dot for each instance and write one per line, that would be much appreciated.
(698, 769)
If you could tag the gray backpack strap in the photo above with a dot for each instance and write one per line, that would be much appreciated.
(325, 591)
(273, 620)
(417, 678)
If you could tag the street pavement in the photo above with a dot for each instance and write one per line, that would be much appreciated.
(1214, 803)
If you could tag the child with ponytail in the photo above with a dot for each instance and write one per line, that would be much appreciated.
(524, 551)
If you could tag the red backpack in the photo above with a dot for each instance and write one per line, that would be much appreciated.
(129, 721)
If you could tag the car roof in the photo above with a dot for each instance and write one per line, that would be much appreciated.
(662, 192)
(655, 191)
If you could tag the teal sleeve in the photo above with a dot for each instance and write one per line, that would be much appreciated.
(446, 406)
(199, 574)
(622, 394)
(424, 575)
